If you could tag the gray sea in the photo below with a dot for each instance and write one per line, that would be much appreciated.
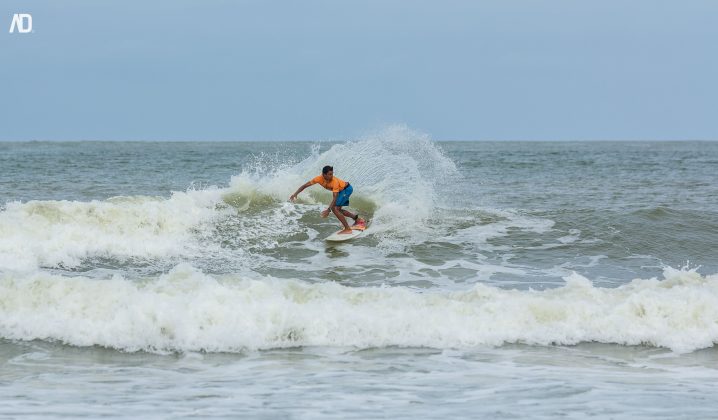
(495, 280)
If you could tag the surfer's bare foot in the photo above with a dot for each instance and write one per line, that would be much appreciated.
(345, 231)
(359, 221)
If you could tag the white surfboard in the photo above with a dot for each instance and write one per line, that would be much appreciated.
(337, 237)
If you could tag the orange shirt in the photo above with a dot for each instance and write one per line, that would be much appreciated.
(335, 185)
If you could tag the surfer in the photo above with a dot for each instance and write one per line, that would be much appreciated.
(341, 190)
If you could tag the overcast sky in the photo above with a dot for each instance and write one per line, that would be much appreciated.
(292, 70)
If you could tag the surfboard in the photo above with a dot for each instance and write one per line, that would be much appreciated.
(356, 231)
(337, 237)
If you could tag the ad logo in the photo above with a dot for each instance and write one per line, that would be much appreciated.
(22, 22)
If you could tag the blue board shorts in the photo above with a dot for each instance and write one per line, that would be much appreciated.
(343, 196)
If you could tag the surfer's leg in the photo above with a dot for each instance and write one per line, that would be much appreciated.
(357, 220)
(338, 212)
(349, 214)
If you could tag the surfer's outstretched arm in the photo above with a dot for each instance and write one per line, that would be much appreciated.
(299, 190)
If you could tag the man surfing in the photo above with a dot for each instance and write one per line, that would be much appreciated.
(341, 190)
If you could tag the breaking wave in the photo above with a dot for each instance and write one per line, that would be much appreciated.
(63, 233)
(394, 172)
(187, 310)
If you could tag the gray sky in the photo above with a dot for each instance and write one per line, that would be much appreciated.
(290, 70)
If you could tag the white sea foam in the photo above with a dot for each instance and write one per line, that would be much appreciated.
(480, 234)
(54, 233)
(186, 310)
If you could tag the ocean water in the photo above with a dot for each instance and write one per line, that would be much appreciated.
(496, 279)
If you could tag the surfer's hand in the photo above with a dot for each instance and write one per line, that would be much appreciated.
(293, 198)
(325, 213)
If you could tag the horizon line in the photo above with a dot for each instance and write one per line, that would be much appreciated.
(329, 140)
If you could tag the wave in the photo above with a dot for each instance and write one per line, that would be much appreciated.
(62, 233)
(395, 173)
(187, 310)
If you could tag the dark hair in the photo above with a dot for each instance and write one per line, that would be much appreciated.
(326, 169)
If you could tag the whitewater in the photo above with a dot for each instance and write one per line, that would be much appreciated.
(186, 310)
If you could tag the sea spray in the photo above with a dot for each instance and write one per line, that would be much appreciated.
(399, 175)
